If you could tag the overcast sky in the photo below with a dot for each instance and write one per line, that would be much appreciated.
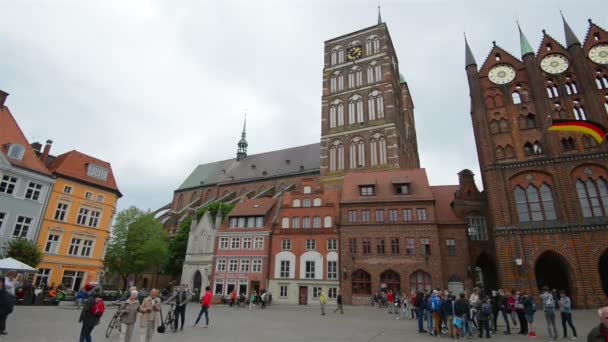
(158, 87)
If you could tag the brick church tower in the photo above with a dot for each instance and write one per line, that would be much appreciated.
(367, 112)
(547, 191)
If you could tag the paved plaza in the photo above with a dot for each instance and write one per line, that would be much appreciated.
(277, 323)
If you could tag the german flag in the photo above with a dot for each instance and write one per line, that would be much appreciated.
(594, 129)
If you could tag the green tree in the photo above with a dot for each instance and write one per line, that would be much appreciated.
(179, 245)
(25, 251)
(118, 252)
(138, 243)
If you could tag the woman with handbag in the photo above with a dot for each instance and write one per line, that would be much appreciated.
(150, 309)
(128, 311)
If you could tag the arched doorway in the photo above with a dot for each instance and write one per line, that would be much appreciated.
(603, 265)
(552, 270)
(390, 280)
(362, 283)
(485, 272)
(420, 280)
(197, 282)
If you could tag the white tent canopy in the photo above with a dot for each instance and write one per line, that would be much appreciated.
(10, 264)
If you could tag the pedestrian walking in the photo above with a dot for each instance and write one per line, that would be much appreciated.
(504, 308)
(413, 305)
(91, 313)
(397, 305)
(252, 299)
(483, 315)
(233, 298)
(339, 301)
(128, 315)
(511, 308)
(565, 307)
(81, 296)
(420, 311)
(549, 309)
(181, 299)
(7, 303)
(205, 305)
(150, 309)
(600, 333)
(322, 301)
(435, 308)
(530, 308)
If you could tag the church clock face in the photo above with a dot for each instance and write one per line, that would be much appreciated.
(354, 52)
(502, 74)
(599, 54)
(554, 64)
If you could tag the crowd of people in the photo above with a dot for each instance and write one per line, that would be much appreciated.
(442, 313)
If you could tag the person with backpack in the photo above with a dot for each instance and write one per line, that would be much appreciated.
(435, 308)
(397, 305)
(413, 305)
(461, 311)
(181, 299)
(7, 304)
(505, 310)
(421, 307)
(205, 305)
(92, 311)
(565, 306)
(549, 309)
(530, 308)
(483, 315)
(521, 313)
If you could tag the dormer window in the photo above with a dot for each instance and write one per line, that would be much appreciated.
(307, 189)
(402, 189)
(16, 151)
(97, 171)
(367, 190)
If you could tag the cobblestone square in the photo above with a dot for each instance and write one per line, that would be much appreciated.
(277, 323)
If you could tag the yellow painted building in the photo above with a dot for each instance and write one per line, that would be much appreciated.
(77, 221)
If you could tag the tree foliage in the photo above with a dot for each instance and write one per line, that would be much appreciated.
(138, 243)
(179, 245)
(25, 251)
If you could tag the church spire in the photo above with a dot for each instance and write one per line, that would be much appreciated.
(379, 16)
(469, 58)
(571, 38)
(524, 43)
(242, 145)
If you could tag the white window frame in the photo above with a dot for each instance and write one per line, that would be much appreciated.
(332, 269)
(61, 212)
(316, 222)
(332, 293)
(10, 184)
(233, 265)
(218, 282)
(100, 198)
(332, 244)
(78, 248)
(224, 243)
(259, 221)
(42, 273)
(23, 225)
(36, 191)
(88, 195)
(67, 189)
(235, 243)
(285, 222)
(247, 242)
(256, 266)
(220, 265)
(97, 171)
(310, 269)
(311, 244)
(245, 265)
(258, 242)
(286, 245)
(316, 292)
(283, 291)
(285, 268)
(51, 247)
(3, 217)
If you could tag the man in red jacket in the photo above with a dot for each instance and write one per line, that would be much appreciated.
(390, 298)
(205, 305)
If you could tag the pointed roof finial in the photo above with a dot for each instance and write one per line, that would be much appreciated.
(524, 43)
(241, 152)
(379, 16)
(244, 126)
(571, 38)
(469, 59)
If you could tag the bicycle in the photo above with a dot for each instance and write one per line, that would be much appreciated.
(114, 322)
(170, 318)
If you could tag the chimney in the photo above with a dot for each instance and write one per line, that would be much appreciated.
(3, 97)
(47, 149)
(37, 146)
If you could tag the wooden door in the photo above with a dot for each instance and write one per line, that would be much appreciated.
(303, 295)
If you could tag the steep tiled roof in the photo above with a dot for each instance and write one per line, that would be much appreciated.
(74, 164)
(383, 181)
(10, 133)
(253, 207)
(293, 160)
(444, 196)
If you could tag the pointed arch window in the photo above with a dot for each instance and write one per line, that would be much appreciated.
(534, 204)
(374, 72)
(552, 90)
(531, 149)
(601, 79)
(578, 110)
(372, 45)
(568, 144)
(336, 82)
(516, 96)
(362, 283)
(527, 121)
(336, 114)
(571, 88)
(419, 281)
(337, 55)
(355, 77)
(375, 104)
(588, 142)
(355, 110)
(593, 197)
(336, 156)
(500, 153)
(357, 153)
(377, 149)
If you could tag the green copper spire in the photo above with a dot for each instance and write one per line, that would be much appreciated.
(524, 43)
